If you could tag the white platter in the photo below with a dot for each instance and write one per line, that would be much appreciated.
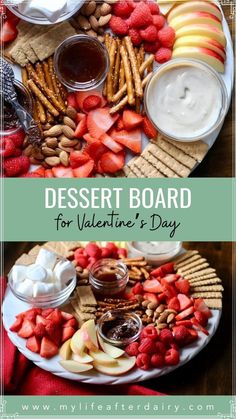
(12, 306)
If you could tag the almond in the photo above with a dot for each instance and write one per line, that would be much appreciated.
(94, 23)
(71, 112)
(33, 160)
(66, 142)
(103, 20)
(91, 32)
(68, 132)
(64, 158)
(67, 149)
(48, 152)
(51, 142)
(36, 153)
(105, 9)
(52, 161)
(28, 150)
(69, 122)
(97, 12)
(90, 8)
(53, 131)
(83, 23)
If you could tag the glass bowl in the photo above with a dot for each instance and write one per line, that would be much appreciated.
(108, 278)
(150, 98)
(157, 257)
(74, 6)
(114, 315)
(48, 300)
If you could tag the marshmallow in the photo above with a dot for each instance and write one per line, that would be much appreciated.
(46, 258)
(25, 287)
(42, 288)
(37, 8)
(64, 271)
(50, 276)
(18, 273)
(36, 273)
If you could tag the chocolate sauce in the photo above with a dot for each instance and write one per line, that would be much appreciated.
(119, 328)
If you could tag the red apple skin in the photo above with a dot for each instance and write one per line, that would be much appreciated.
(200, 42)
(198, 29)
(195, 5)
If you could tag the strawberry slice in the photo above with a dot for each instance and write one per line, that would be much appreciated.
(85, 170)
(120, 124)
(193, 335)
(46, 312)
(183, 286)
(66, 316)
(171, 278)
(150, 297)
(55, 316)
(40, 330)
(15, 327)
(70, 323)
(186, 323)
(71, 100)
(40, 171)
(168, 268)
(95, 150)
(8, 32)
(168, 289)
(131, 139)
(33, 344)
(78, 158)
(27, 329)
(67, 333)
(89, 139)
(100, 121)
(110, 143)
(48, 173)
(62, 171)
(174, 304)
(111, 162)
(54, 332)
(183, 314)
(148, 128)
(81, 96)
(131, 119)
(48, 348)
(40, 319)
(199, 326)
(92, 102)
(79, 117)
(152, 285)
(184, 301)
(200, 305)
(81, 128)
(158, 273)
(201, 317)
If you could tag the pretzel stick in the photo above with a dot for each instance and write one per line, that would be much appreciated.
(122, 75)
(41, 111)
(107, 45)
(134, 66)
(128, 75)
(146, 64)
(47, 75)
(50, 118)
(40, 72)
(145, 273)
(137, 99)
(117, 67)
(43, 99)
(142, 53)
(54, 82)
(24, 76)
(112, 55)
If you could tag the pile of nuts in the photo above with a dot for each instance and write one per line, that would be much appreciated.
(156, 314)
(93, 17)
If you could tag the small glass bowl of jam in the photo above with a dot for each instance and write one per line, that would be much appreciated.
(108, 278)
(119, 328)
(81, 62)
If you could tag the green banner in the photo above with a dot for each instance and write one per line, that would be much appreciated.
(223, 407)
(117, 209)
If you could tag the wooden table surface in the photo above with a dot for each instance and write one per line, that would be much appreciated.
(219, 162)
(210, 372)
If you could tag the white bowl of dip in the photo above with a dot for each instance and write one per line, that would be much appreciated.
(186, 100)
(155, 252)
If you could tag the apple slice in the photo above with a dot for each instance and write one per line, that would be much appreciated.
(195, 6)
(124, 364)
(73, 366)
(88, 330)
(194, 19)
(102, 358)
(204, 30)
(200, 41)
(65, 350)
(77, 343)
(113, 351)
(208, 56)
(82, 359)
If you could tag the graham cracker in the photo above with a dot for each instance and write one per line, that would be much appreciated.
(203, 277)
(206, 288)
(82, 316)
(19, 52)
(188, 266)
(186, 262)
(213, 294)
(195, 149)
(161, 167)
(203, 282)
(56, 247)
(213, 303)
(23, 28)
(25, 260)
(71, 245)
(86, 296)
(35, 250)
(200, 273)
(169, 161)
(185, 256)
(176, 152)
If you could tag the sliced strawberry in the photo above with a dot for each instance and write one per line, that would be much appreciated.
(168, 268)
(150, 297)
(33, 344)
(70, 323)
(184, 301)
(100, 121)
(15, 327)
(170, 278)
(62, 171)
(54, 332)
(78, 158)
(40, 171)
(186, 323)
(32, 313)
(120, 124)
(48, 348)
(55, 316)
(40, 319)
(85, 170)
(200, 305)
(67, 333)
(148, 128)
(8, 32)
(162, 297)
(111, 162)
(91, 102)
(131, 120)
(193, 335)
(40, 330)
(47, 311)
(201, 317)
(152, 285)
(183, 286)
(183, 314)
(27, 329)
(174, 304)
(96, 150)
(66, 316)
(71, 100)
(110, 143)
(89, 139)
(48, 173)
(79, 117)
(81, 128)
(81, 96)
(168, 289)
(158, 272)
(131, 139)
(199, 326)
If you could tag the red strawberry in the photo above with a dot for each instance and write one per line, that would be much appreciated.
(154, 8)
(168, 289)
(184, 301)
(40, 171)
(55, 316)
(159, 21)
(151, 47)
(183, 286)
(180, 334)
(150, 297)
(93, 250)
(122, 8)
(186, 323)
(31, 314)
(163, 55)
(7, 147)
(166, 336)
(172, 357)
(132, 349)
(33, 344)
(71, 100)
(149, 34)
(174, 304)
(95, 150)
(91, 102)
(40, 330)
(111, 162)
(81, 97)
(79, 117)
(48, 173)
(85, 170)
(168, 268)
(100, 121)
(27, 329)
(170, 278)
(47, 311)
(200, 305)
(17, 138)
(147, 346)
(131, 119)
(158, 360)
(135, 36)
(118, 26)
(120, 124)
(158, 272)
(15, 327)
(54, 332)
(193, 335)
(110, 143)
(81, 128)
(89, 139)
(148, 128)
(8, 32)
(137, 289)
(201, 317)
(141, 16)
(62, 171)
(199, 326)
(78, 158)
(40, 319)
(152, 285)
(48, 348)
(183, 314)
(131, 139)
(166, 37)
(67, 333)
(66, 316)
(70, 323)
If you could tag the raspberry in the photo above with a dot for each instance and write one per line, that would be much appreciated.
(151, 47)
(149, 332)
(122, 8)
(154, 8)
(149, 34)
(166, 37)
(181, 334)
(132, 349)
(163, 55)
(16, 165)
(143, 361)
(135, 36)
(18, 138)
(25, 163)
(17, 152)
(158, 21)
(166, 336)
(201, 317)
(141, 16)
(118, 26)
(160, 348)
(147, 346)
(137, 289)
(158, 360)
(93, 250)
(7, 147)
(82, 261)
(172, 357)
(148, 128)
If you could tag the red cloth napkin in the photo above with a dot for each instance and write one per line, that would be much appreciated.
(22, 377)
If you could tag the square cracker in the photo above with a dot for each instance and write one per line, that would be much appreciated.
(213, 303)
(188, 266)
(202, 282)
(35, 250)
(185, 256)
(195, 149)
(187, 261)
(86, 296)
(176, 152)
(58, 248)
(206, 288)
(25, 260)
(208, 294)
(200, 273)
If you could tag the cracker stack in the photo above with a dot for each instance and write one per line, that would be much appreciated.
(84, 304)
